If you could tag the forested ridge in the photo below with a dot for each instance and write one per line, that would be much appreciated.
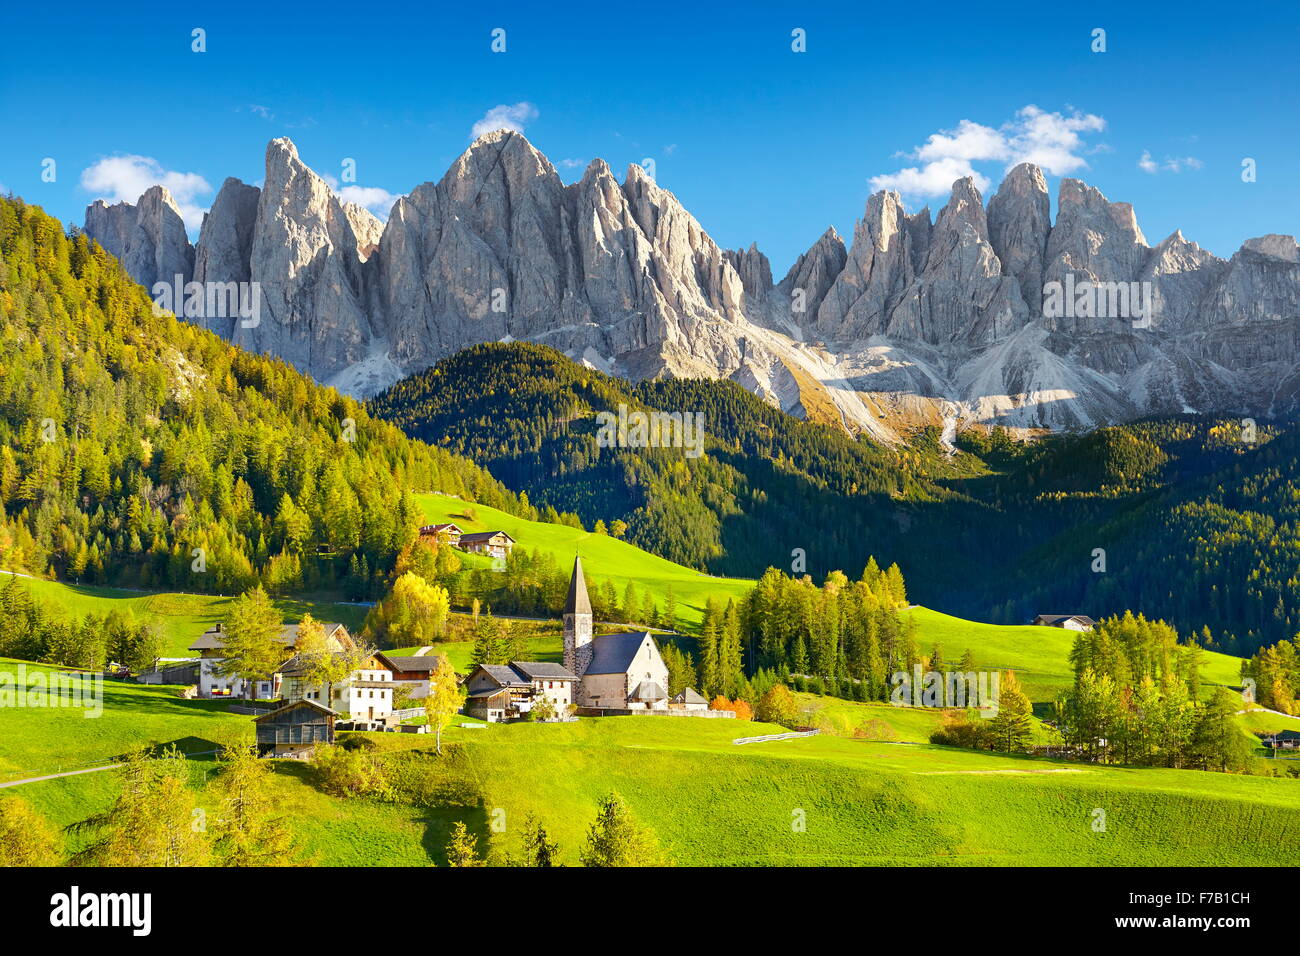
(139, 450)
(1195, 522)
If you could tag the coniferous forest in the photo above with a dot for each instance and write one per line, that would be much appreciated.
(1193, 520)
(142, 451)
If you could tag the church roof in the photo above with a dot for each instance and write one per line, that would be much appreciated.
(578, 602)
(614, 653)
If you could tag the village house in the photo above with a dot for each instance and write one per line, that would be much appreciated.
(294, 728)
(495, 544)
(1284, 740)
(497, 692)
(442, 533)
(209, 645)
(1071, 622)
(365, 696)
(411, 673)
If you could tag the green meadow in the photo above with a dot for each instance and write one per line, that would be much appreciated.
(603, 556)
(822, 800)
(183, 616)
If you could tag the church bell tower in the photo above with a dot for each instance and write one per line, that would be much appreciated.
(577, 623)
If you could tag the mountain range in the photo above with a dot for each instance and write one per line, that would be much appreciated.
(917, 321)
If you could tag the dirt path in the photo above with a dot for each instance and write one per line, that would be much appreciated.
(55, 776)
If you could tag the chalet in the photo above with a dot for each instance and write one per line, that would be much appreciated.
(508, 691)
(1284, 740)
(365, 696)
(443, 533)
(496, 544)
(413, 673)
(688, 700)
(623, 672)
(294, 729)
(209, 645)
(1071, 622)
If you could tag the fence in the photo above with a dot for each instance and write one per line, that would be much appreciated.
(793, 733)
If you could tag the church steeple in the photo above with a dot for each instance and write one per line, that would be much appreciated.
(577, 622)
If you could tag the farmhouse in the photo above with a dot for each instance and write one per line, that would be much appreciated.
(209, 645)
(410, 672)
(294, 728)
(1284, 740)
(495, 544)
(621, 672)
(508, 691)
(443, 533)
(364, 695)
(1071, 622)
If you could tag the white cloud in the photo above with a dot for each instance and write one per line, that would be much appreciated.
(574, 163)
(378, 201)
(125, 179)
(1055, 141)
(1172, 164)
(505, 117)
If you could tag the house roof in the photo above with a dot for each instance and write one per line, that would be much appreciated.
(504, 675)
(578, 602)
(1287, 735)
(648, 691)
(535, 670)
(689, 696)
(614, 653)
(1054, 618)
(426, 663)
(211, 638)
(437, 528)
(482, 536)
(301, 702)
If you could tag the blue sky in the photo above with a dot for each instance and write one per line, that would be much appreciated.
(760, 143)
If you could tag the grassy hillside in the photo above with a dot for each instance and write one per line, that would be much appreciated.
(183, 617)
(38, 740)
(603, 556)
(712, 802)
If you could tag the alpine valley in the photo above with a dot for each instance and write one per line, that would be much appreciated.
(919, 320)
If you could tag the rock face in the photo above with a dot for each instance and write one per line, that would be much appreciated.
(304, 258)
(915, 323)
(149, 237)
(225, 249)
(1019, 223)
(961, 295)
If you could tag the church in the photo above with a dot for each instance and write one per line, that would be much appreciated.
(614, 671)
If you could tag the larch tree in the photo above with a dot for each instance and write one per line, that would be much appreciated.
(26, 839)
(251, 652)
(445, 698)
(617, 839)
(248, 831)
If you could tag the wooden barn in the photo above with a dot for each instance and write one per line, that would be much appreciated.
(293, 729)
